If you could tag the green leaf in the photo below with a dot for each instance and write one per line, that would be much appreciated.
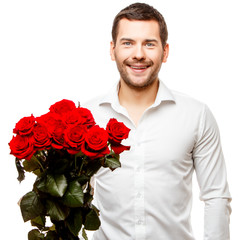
(38, 172)
(31, 206)
(92, 167)
(39, 222)
(35, 235)
(56, 211)
(30, 165)
(40, 184)
(74, 196)
(52, 228)
(74, 221)
(55, 185)
(92, 221)
(51, 235)
(83, 179)
(112, 162)
(20, 169)
(84, 234)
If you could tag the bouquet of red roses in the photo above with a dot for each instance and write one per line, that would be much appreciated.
(64, 148)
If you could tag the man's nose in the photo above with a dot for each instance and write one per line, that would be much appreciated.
(139, 52)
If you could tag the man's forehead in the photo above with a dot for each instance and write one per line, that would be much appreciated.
(125, 21)
(148, 29)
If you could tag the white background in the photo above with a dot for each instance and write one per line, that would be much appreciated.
(50, 50)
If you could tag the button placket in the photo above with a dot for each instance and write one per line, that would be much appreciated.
(139, 188)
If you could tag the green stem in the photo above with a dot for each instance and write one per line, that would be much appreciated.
(75, 162)
(84, 234)
(39, 163)
(80, 170)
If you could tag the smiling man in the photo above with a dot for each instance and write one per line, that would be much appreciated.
(150, 196)
(139, 56)
(139, 53)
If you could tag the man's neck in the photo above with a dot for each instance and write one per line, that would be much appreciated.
(136, 101)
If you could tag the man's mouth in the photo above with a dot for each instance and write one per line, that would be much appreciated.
(138, 67)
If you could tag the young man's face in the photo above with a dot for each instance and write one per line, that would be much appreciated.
(138, 52)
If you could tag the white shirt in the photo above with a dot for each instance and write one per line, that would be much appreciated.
(150, 196)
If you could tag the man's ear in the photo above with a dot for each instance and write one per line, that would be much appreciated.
(112, 47)
(165, 52)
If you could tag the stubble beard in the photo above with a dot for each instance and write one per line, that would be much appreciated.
(122, 68)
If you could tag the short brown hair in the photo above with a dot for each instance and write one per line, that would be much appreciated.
(141, 11)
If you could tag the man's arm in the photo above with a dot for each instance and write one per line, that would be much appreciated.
(212, 179)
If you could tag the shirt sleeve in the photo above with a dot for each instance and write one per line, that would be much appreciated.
(211, 174)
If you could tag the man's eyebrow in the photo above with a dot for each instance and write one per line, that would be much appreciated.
(126, 39)
(151, 40)
(146, 40)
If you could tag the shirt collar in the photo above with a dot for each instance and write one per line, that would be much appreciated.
(163, 94)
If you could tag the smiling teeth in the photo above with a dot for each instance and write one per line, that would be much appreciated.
(138, 67)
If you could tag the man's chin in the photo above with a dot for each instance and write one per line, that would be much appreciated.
(138, 85)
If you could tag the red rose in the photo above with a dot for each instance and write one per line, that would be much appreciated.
(58, 134)
(74, 138)
(96, 143)
(119, 148)
(25, 126)
(117, 131)
(79, 116)
(73, 117)
(50, 120)
(41, 137)
(62, 107)
(22, 147)
(86, 117)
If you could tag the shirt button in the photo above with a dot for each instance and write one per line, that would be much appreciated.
(139, 222)
(139, 195)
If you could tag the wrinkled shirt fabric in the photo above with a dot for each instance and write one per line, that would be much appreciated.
(150, 196)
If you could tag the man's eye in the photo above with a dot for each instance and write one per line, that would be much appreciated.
(127, 43)
(149, 44)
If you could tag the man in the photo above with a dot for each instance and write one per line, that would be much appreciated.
(150, 196)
